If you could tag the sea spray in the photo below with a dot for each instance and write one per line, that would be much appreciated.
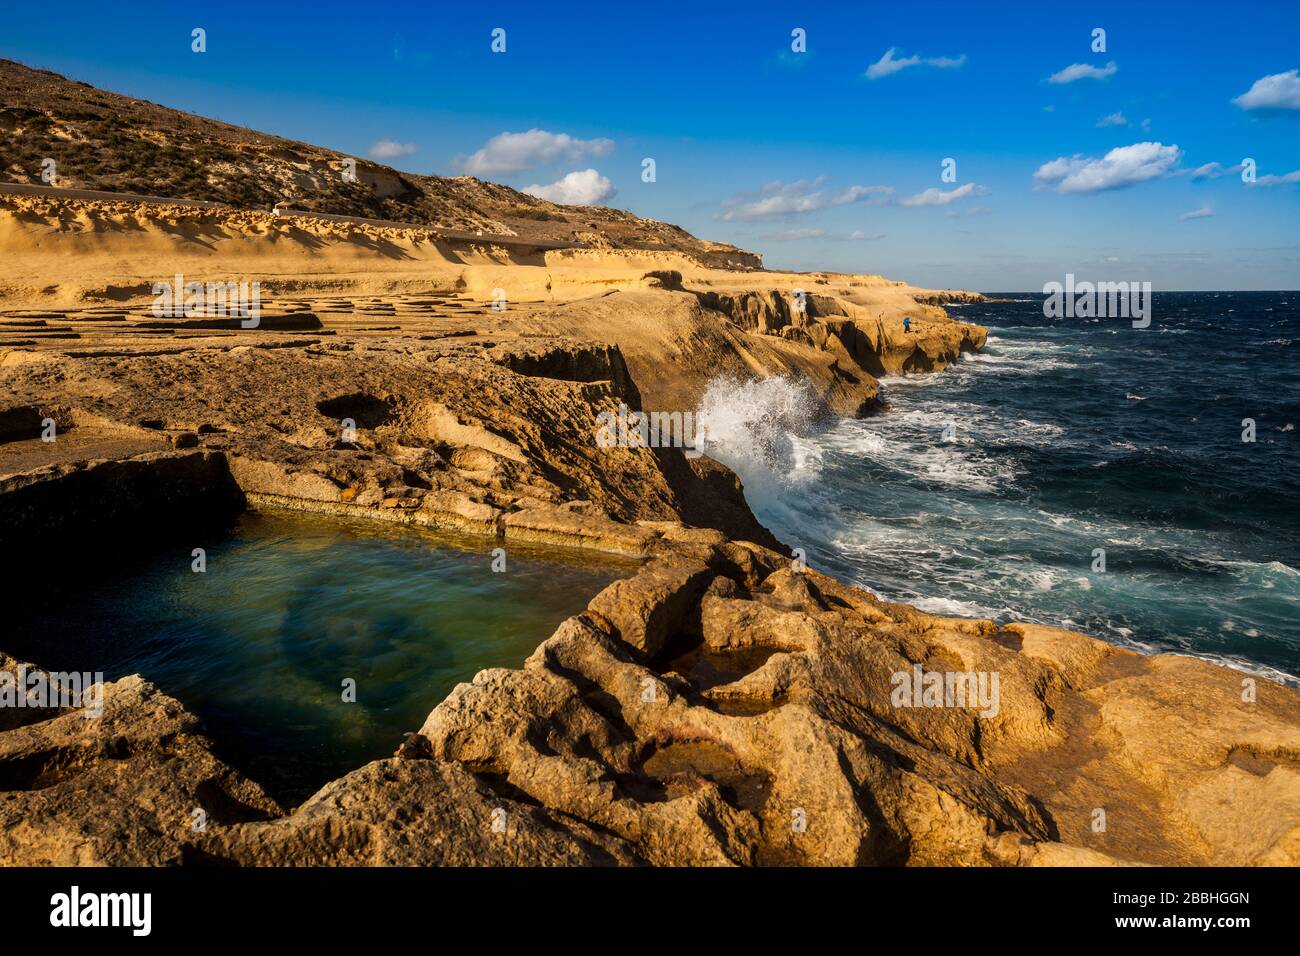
(759, 429)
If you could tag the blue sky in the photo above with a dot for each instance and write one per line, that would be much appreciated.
(804, 157)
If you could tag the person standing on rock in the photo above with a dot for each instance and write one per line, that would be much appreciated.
(907, 324)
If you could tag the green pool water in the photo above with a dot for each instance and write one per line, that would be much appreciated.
(259, 645)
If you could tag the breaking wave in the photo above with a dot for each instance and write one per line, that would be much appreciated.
(760, 429)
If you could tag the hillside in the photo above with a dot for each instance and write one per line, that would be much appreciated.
(104, 141)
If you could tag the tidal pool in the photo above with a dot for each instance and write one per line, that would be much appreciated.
(259, 645)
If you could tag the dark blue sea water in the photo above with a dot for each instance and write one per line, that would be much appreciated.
(1069, 435)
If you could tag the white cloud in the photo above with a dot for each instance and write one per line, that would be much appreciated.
(778, 200)
(391, 149)
(1214, 171)
(508, 153)
(1205, 212)
(1283, 180)
(1146, 125)
(1083, 71)
(938, 197)
(792, 235)
(584, 187)
(1281, 91)
(889, 64)
(1114, 119)
(1122, 166)
(967, 213)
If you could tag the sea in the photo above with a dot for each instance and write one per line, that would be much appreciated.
(1138, 485)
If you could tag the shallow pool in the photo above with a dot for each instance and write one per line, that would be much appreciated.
(260, 644)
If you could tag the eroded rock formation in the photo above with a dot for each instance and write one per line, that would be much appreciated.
(719, 707)
(723, 705)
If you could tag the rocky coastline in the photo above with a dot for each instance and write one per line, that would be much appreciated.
(725, 705)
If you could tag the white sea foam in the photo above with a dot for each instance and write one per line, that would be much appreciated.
(948, 607)
(1242, 664)
(1010, 363)
(760, 429)
(909, 381)
(1267, 575)
(910, 443)
(1042, 580)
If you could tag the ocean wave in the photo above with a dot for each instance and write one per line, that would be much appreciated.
(925, 422)
(1268, 576)
(997, 363)
(950, 607)
(1038, 429)
(1239, 663)
(912, 446)
(921, 380)
(760, 430)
